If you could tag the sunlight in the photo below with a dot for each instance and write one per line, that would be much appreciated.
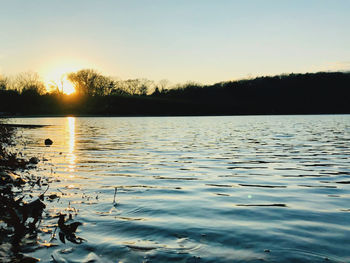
(67, 86)
(55, 75)
(71, 143)
(62, 83)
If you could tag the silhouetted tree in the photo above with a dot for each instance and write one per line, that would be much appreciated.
(119, 88)
(89, 82)
(3, 83)
(163, 84)
(29, 81)
(283, 94)
(145, 87)
(103, 85)
(156, 92)
(137, 86)
(57, 87)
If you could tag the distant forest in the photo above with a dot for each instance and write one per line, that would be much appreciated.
(310, 93)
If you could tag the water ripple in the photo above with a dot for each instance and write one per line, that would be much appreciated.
(199, 189)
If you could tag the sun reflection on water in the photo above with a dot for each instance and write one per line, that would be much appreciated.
(71, 143)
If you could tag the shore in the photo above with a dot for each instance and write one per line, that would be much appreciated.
(4, 117)
(24, 197)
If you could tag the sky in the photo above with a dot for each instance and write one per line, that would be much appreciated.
(205, 41)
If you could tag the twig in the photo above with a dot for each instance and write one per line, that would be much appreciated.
(48, 186)
(115, 193)
(54, 260)
(53, 234)
(41, 197)
(60, 191)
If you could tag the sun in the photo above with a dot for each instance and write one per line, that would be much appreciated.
(59, 80)
(67, 87)
(55, 76)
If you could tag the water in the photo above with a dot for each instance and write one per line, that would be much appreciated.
(198, 189)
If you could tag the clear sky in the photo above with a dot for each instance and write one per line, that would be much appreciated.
(205, 41)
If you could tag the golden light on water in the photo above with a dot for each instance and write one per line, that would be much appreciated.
(71, 143)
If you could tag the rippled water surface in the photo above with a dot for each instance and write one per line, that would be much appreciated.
(198, 189)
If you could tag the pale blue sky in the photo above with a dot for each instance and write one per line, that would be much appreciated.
(200, 40)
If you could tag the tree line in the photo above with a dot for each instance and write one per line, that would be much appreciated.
(96, 94)
(87, 82)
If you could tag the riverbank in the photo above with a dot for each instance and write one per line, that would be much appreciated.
(14, 212)
(24, 198)
(139, 116)
(29, 126)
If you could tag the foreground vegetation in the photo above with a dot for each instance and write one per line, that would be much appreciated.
(17, 217)
(311, 93)
(23, 199)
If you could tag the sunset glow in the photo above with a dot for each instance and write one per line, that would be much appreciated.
(174, 131)
(67, 86)
(55, 74)
(58, 80)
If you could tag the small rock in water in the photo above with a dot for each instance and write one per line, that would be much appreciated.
(267, 251)
(34, 160)
(48, 141)
(53, 196)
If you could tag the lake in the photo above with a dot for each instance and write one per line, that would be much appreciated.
(196, 189)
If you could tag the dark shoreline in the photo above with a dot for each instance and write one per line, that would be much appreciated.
(28, 126)
(146, 116)
(293, 94)
(24, 204)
